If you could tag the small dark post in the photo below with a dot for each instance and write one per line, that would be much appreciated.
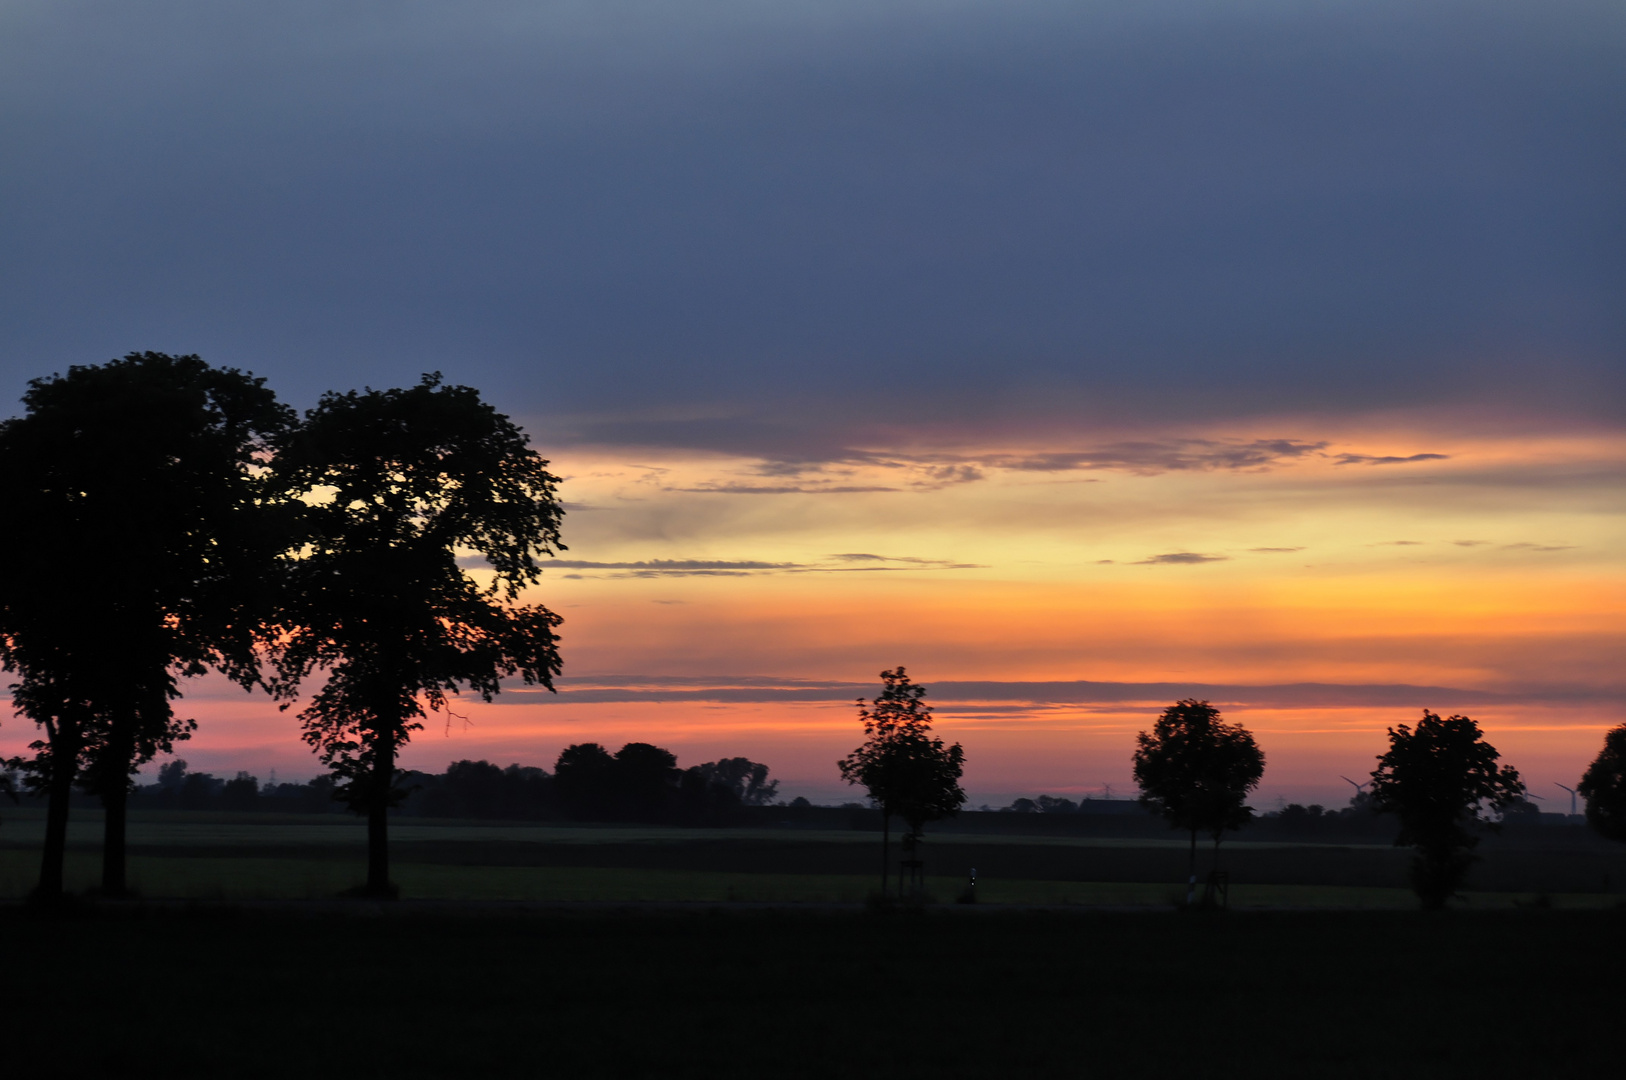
(969, 894)
(913, 867)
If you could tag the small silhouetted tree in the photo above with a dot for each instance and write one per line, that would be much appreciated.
(906, 770)
(1604, 787)
(1197, 771)
(745, 779)
(1440, 781)
(584, 779)
(473, 789)
(141, 480)
(240, 793)
(401, 489)
(645, 780)
(9, 786)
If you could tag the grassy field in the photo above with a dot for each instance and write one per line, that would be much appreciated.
(812, 993)
(248, 878)
(236, 857)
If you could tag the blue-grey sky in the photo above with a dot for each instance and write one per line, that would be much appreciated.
(762, 225)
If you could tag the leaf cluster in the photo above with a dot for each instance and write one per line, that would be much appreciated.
(1603, 786)
(137, 513)
(398, 492)
(1442, 781)
(1196, 770)
(906, 770)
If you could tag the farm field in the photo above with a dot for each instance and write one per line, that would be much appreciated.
(227, 857)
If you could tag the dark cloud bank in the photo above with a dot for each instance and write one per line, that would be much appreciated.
(1286, 695)
(782, 229)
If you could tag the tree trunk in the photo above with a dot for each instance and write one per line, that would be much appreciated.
(113, 777)
(378, 846)
(1191, 881)
(114, 803)
(886, 848)
(58, 791)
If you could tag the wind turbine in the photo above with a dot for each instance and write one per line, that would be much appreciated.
(1572, 796)
(1358, 787)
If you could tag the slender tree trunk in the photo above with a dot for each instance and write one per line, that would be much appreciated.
(378, 840)
(114, 780)
(1191, 881)
(58, 791)
(115, 802)
(1214, 874)
(886, 849)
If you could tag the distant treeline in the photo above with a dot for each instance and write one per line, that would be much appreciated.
(1291, 822)
(1358, 820)
(1055, 804)
(639, 783)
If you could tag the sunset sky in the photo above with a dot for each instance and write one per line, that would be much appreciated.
(1078, 356)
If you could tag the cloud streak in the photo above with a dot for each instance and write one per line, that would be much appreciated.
(1369, 459)
(811, 469)
(659, 568)
(1069, 692)
(1176, 455)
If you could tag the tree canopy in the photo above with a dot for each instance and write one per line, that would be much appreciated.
(424, 514)
(1441, 780)
(1197, 771)
(1604, 786)
(905, 768)
(156, 461)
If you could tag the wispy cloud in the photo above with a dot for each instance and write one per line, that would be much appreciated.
(1165, 456)
(862, 556)
(783, 489)
(657, 568)
(1387, 459)
(1180, 558)
(1275, 550)
(941, 476)
(805, 467)
(1278, 695)
(1527, 546)
(672, 565)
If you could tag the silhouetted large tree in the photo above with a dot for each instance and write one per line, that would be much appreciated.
(1439, 780)
(1197, 771)
(906, 770)
(1604, 787)
(402, 488)
(137, 545)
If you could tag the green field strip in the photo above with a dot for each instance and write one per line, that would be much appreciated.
(179, 828)
(251, 878)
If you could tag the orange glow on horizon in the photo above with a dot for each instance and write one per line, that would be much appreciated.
(1496, 568)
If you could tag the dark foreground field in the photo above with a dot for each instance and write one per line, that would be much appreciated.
(399, 992)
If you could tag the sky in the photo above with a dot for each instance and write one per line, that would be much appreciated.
(1077, 356)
